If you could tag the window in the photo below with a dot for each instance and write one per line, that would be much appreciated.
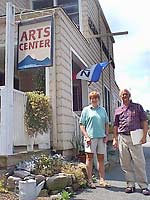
(119, 103)
(107, 101)
(71, 7)
(39, 4)
(76, 85)
(79, 87)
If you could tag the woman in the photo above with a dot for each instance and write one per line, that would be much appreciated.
(95, 128)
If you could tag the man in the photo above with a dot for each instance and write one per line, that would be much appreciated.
(94, 126)
(130, 117)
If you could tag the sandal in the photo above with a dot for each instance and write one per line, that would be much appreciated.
(91, 185)
(130, 189)
(104, 184)
(145, 191)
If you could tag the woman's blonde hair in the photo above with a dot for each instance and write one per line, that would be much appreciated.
(94, 94)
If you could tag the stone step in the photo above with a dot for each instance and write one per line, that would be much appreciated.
(9, 161)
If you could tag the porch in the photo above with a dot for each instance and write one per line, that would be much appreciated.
(21, 139)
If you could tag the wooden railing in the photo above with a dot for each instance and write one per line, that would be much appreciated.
(77, 125)
(20, 137)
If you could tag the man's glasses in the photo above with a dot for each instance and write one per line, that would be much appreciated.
(124, 94)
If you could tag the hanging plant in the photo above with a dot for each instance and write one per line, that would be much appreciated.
(38, 113)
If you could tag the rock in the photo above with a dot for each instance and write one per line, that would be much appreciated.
(43, 193)
(69, 189)
(83, 168)
(12, 182)
(57, 182)
(29, 177)
(75, 186)
(21, 173)
(54, 192)
(70, 179)
(10, 172)
(74, 179)
(55, 197)
(39, 178)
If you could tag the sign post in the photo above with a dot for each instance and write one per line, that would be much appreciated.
(7, 119)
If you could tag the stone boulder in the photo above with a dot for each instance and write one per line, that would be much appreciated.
(21, 173)
(12, 182)
(57, 182)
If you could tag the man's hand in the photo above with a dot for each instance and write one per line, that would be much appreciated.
(143, 140)
(115, 143)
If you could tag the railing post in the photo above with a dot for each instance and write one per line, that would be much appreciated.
(7, 129)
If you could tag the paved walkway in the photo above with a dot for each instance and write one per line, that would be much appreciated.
(116, 179)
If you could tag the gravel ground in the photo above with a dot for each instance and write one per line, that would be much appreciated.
(8, 196)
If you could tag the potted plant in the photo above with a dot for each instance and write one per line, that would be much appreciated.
(78, 145)
(110, 136)
(38, 114)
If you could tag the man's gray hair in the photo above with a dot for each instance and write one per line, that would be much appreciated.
(124, 90)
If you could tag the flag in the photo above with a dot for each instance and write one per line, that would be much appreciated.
(93, 73)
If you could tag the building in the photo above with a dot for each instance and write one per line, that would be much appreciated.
(75, 21)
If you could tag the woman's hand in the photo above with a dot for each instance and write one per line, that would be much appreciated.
(88, 140)
(105, 139)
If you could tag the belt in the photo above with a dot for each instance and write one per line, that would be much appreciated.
(124, 133)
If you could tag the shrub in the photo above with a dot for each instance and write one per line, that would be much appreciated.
(38, 113)
(46, 165)
(3, 184)
(77, 171)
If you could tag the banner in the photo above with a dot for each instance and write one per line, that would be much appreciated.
(35, 47)
(93, 73)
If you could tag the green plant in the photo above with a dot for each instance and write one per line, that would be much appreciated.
(65, 195)
(77, 143)
(77, 171)
(3, 184)
(111, 128)
(38, 113)
(94, 179)
(47, 165)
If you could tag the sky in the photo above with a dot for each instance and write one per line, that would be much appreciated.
(132, 51)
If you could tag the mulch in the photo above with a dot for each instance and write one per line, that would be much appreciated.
(8, 196)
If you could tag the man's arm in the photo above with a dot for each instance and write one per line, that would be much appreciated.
(107, 129)
(145, 130)
(115, 139)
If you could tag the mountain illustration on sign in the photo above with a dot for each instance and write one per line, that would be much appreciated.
(30, 62)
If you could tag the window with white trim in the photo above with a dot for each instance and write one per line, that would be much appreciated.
(107, 101)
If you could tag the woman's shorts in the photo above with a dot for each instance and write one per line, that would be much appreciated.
(97, 146)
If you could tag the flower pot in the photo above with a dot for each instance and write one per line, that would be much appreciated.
(81, 157)
(30, 144)
(43, 146)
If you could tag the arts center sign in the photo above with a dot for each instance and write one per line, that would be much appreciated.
(35, 44)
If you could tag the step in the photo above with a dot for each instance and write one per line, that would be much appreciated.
(9, 161)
